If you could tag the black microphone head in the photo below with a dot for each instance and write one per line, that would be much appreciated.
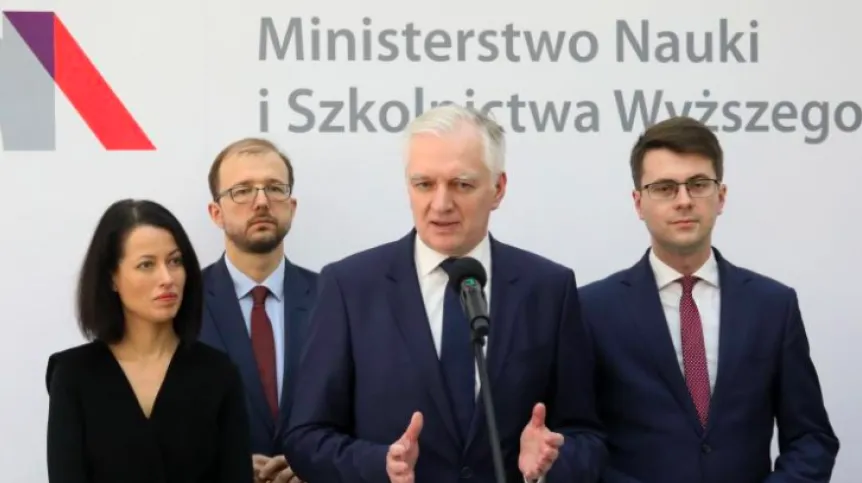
(466, 268)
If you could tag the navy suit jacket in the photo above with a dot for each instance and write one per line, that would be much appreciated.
(765, 375)
(370, 363)
(224, 328)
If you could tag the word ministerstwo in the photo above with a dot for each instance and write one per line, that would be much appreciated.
(634, 41)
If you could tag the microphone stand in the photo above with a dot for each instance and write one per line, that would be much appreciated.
(479, 328)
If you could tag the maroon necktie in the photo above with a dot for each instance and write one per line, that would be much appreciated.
(263, 344)
(693, 351)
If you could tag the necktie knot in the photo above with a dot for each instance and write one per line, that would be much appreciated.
(259, 294)
(688, 282)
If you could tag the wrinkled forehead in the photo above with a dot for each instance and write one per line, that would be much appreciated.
(452, 155)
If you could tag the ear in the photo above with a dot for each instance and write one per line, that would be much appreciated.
(722, 195)
(216, 215)
(499, 190)
(637, 196)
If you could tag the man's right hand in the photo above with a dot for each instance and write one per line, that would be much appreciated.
(272, 470)
(402, 455)
(258, 461)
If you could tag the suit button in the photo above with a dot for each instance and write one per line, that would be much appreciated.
(466, 473)
(706, 449)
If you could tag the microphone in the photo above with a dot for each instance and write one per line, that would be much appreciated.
(467, 277)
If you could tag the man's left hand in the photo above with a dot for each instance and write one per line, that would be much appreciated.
(539, 446)
(278, 471)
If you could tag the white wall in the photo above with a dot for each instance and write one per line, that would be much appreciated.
(189, 72)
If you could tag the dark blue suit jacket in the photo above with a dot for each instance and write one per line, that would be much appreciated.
(224, 328)
(764, 375)
(370, 363)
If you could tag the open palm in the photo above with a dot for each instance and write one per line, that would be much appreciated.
(403, 454)
(539, 446)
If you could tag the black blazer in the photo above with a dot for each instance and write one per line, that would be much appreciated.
(97, 432)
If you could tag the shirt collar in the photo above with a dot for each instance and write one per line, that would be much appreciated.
(427, 259)
(665, 275)
(242, 284)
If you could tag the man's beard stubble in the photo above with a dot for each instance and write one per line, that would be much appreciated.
(259, 246)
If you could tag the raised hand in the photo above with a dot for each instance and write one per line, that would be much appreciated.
(402, 455)
(539, 446)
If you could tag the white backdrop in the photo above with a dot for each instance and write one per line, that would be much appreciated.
(191, 73)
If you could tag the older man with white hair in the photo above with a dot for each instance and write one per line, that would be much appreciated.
(389, 383)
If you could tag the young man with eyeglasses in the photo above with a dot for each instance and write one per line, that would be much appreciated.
(257, 301)
(699, 359)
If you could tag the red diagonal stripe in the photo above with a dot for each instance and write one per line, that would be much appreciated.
(92, 97)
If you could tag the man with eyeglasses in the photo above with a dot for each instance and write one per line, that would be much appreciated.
(257, 301)
(699, 359)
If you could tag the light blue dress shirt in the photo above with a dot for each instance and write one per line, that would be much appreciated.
(274, 309)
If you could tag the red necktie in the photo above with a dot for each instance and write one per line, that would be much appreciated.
(693, 350)
(263, 344)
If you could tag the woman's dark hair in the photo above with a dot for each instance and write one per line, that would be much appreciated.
(100, 311)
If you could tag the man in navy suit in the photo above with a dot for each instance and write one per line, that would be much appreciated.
(698, 359)
(389, 383)
(257, 301)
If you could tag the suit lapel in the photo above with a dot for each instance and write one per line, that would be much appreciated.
(297, 302)
(647, 314)
(735, 324)
(412, 321)
(224, 309)
(505, 301)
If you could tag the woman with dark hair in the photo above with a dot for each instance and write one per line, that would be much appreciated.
(144, 401)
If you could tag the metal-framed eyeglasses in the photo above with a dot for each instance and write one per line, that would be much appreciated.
(243, 194)
(668, 190)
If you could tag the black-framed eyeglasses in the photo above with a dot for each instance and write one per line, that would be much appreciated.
(242, 194)
(667, 190)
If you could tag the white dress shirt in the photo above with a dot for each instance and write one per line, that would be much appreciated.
(707, 298)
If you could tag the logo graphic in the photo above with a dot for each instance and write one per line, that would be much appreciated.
(38, 54)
